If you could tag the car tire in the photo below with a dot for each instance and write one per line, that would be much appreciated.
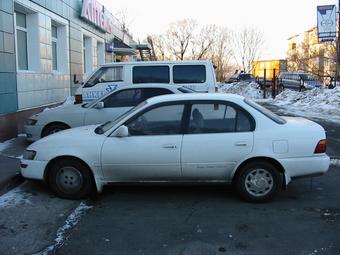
(71, 179)
(54, 128)
(258, 181)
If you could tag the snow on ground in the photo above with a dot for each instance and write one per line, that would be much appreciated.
(317, 103)
(335, 162)
(246, 89)
(70, 222)
(6, 144)
(14, 197)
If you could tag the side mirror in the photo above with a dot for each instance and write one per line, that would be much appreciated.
(99, 105)
(122, 131)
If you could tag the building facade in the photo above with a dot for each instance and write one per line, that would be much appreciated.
(268, 66)
(47, 48)
(305, 53)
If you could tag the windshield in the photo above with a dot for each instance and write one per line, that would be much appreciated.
(307, 77)
(246, 76)
(101, 129)
(266, 112)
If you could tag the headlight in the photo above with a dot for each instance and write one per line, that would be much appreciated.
(31, 122)
(29, 154)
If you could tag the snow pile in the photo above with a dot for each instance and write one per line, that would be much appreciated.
(317, 103)
(14, 198)
(246, 89)
(70, 222)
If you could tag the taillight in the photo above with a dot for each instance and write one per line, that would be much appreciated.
(321, 147)
(78, 99)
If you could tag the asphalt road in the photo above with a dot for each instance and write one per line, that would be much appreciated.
(305, 219)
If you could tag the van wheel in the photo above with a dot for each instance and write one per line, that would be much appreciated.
(54, 128)
(70, 179)
(258, 181)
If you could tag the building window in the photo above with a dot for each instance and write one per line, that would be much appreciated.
(21, 32)
(54, 48)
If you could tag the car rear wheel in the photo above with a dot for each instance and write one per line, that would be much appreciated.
(258, 181)
(54, 128)
(71, 179)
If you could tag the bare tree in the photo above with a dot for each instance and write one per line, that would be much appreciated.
(202, 42)
(179, 36)
(124, 20)
(221, 52)
(159, 46)
(248, 43)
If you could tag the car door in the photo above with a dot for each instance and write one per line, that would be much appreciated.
(120, 102)
(218, 136)
(105, 80)
(114, 105)
(151, 152)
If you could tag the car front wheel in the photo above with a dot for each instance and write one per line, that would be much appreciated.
(54, 128)
(258, 181)
(69, 178)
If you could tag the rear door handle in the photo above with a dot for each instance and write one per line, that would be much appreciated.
(169, 146)
(242, 144)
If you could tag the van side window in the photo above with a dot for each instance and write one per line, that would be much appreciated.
(105, 74)
(189, 74)
(151, 74)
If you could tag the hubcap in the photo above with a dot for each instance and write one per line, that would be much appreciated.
(69, 179)
(259, 182)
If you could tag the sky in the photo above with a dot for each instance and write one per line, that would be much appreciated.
(277, 20)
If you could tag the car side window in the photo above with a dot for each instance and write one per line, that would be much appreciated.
(163, 120)
(151, 74)
(218, 118)
(189, 74)
(124, 98)
(153, 92)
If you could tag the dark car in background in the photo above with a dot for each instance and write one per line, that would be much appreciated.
(240, 77)
(299, 80)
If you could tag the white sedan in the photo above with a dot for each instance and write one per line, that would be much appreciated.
(105, 108)
(202, 138)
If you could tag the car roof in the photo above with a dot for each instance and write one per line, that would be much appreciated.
(149, 63)
(195, 96)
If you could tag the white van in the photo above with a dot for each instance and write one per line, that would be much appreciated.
(196, 75)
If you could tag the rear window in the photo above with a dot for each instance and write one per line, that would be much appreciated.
(151, 74)
(189, 74)
(266, 112)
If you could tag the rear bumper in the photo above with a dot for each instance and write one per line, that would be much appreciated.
(33, 133)
(305, 167)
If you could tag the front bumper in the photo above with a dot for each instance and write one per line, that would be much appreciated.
(33, 133)
(304, 167)
(33, 169)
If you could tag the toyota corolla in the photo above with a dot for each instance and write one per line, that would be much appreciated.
(188, 138)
